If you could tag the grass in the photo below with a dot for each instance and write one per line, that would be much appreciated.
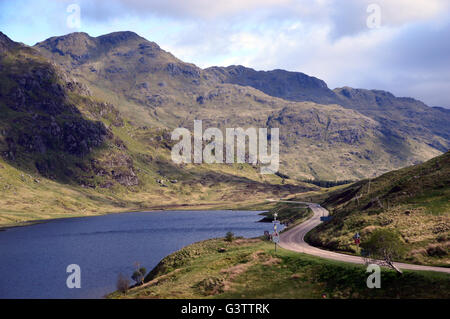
(413, 200)
(288, 214)
(250, 268)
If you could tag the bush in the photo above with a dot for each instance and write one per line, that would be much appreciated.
(122, 284)
(436, 251)
(384, 244)
(229, 237)
(143, 271)
(139, 275)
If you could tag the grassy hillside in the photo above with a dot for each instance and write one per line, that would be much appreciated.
(250, 268)
(415, 201)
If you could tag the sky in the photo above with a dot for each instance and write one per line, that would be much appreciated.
(402, 46)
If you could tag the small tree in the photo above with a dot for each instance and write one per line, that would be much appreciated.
(139, 275)
(229, 236)
(123, 283)
(382, 247)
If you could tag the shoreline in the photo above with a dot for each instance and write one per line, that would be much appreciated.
(169, 207)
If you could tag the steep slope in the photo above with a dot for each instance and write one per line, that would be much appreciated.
(153, 88)
(40, 118)
(401, 115)
(413, 201)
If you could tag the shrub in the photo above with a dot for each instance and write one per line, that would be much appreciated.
(122, 284)
(229, 237)
(139, 275)
(385, 245)
(436, 251)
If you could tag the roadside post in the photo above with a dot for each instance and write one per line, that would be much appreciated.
(275, 236)
(357, 239)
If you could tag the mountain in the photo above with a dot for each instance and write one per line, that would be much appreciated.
(49, 117)
(401, 115)
(89, 119)
(325, 134)
(67, 152)
(397, 116)
(294, 86)
(412, 200)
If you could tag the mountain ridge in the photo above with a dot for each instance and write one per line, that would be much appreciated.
(151, 87)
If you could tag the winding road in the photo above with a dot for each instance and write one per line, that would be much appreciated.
(294, 239)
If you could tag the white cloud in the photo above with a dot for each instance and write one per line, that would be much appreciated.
(399, 12)
(328, 39)
(397, 57)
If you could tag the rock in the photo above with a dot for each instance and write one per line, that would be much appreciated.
(143, 85)
(200, 100)
(186, 70)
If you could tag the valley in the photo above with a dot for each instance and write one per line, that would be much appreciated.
(86, 129)
(86, 122)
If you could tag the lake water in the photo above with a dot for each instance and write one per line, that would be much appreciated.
(33, 259)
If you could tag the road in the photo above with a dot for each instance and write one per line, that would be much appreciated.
(294, 239)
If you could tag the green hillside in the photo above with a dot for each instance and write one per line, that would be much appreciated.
(414, 201)
(250, 268)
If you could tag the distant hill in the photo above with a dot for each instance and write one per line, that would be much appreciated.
(397, 116)
(294, 86)
(413, 200)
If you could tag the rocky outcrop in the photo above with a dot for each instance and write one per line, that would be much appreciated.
(319, 125)
(116, 167)
(294, 86)
(50, 121)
